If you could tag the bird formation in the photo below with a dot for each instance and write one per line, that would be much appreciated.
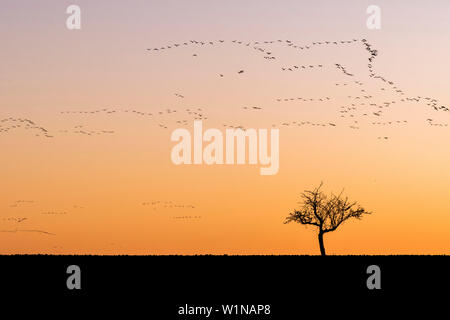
(303, 99)
(432, 123)
(9, 124)
(350, 111)
(365, 104)
(25, 230)
(252, 108)
(229, 126)
(18, 220)
(300, 123)
(187, 217)
(390, 122)
(19, 203)
(159, 204)
(343, 69)
(256, 45)
(190, 114)
(54, 212)
(79, 129)
(259, 47)
(267, 55)
(373, 53)
(298, 68)
(347, 83)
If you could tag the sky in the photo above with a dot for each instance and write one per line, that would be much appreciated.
(100, 179)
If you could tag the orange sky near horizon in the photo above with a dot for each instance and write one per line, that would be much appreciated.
(93, 194)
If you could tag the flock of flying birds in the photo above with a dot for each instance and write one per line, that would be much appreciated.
(10, 124)
(155, 205)
(184, 116)
(187, 217)
(389, 85)
(20, 203)
(360, 106)
(29, 206)
(28, 230)
(158, 205)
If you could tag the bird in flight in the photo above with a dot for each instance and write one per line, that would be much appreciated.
(36, 231)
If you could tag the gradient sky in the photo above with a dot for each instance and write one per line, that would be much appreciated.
(98, 187)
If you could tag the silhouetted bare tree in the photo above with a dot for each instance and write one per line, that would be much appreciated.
(325, 213)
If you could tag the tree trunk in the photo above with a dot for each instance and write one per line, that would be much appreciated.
(322, 247)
